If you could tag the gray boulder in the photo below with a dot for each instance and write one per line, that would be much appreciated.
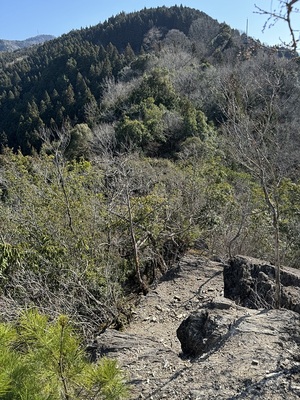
(205, 330)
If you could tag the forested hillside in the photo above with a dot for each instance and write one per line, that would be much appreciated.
(60, 81)
(129, 143)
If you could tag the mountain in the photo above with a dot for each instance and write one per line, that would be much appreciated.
(61, 81)
(45, 86)
(12, 45)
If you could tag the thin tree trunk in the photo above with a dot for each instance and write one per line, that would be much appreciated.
(277, 265)
(275, 216)
(62, 183)
(142, 284)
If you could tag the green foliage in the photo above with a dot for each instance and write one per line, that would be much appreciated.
(54, 220)
(289, 194)
(80, 139)
(194, 122)
(132, 133)
(156, 85)
(9, 256)
(108, 378)
(153, 118)
(145, 130)
(72, 69)
(43, 359)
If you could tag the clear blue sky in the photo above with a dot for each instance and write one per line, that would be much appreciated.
(21, 19)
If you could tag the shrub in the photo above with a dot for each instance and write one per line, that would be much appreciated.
(43, 359)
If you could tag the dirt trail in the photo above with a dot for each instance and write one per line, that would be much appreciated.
(257, 360)
(182, 291)
(151, 350)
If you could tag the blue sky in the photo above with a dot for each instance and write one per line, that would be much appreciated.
(21, 19)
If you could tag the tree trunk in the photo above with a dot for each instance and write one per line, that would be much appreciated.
(277, 265)
(274, 211)
(142, 284)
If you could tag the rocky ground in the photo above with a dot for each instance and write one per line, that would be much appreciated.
(256, 356)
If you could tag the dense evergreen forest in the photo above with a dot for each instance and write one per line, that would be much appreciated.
(125, 145)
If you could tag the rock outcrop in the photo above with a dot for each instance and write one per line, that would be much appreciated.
(205, 330)
(251, 283)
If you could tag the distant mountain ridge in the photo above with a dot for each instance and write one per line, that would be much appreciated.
(12, 45)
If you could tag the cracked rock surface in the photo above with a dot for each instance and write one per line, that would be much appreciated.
(243, 353)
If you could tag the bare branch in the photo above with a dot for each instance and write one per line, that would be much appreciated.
(284, 13)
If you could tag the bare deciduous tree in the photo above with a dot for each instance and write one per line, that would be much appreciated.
(262, 135)
(284, 11)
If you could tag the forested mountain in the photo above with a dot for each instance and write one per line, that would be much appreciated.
(54, 83)
(125, 145)
(12, 45)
